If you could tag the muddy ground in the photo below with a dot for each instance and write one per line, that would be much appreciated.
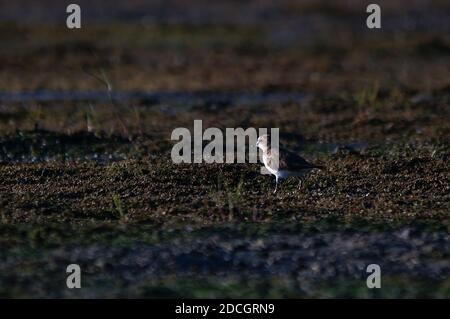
(87, 178)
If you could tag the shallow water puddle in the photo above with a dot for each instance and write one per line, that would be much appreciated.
(44, 146)
(187, 99)
(54, 147)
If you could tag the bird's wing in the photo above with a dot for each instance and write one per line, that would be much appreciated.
(290, 161)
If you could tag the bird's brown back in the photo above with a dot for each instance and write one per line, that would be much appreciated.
(288, 160)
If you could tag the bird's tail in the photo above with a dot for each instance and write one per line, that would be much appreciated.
(319, 166)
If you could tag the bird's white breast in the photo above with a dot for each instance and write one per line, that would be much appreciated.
(266, 164)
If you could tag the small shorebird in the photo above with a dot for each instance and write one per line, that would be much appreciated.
(289, 163)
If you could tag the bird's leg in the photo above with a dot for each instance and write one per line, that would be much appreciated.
(300, 183)
(276, 184)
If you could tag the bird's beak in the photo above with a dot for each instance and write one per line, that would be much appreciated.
(257, 144)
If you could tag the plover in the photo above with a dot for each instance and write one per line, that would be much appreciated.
(289, 163)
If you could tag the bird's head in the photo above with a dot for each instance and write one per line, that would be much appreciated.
(264, 142)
